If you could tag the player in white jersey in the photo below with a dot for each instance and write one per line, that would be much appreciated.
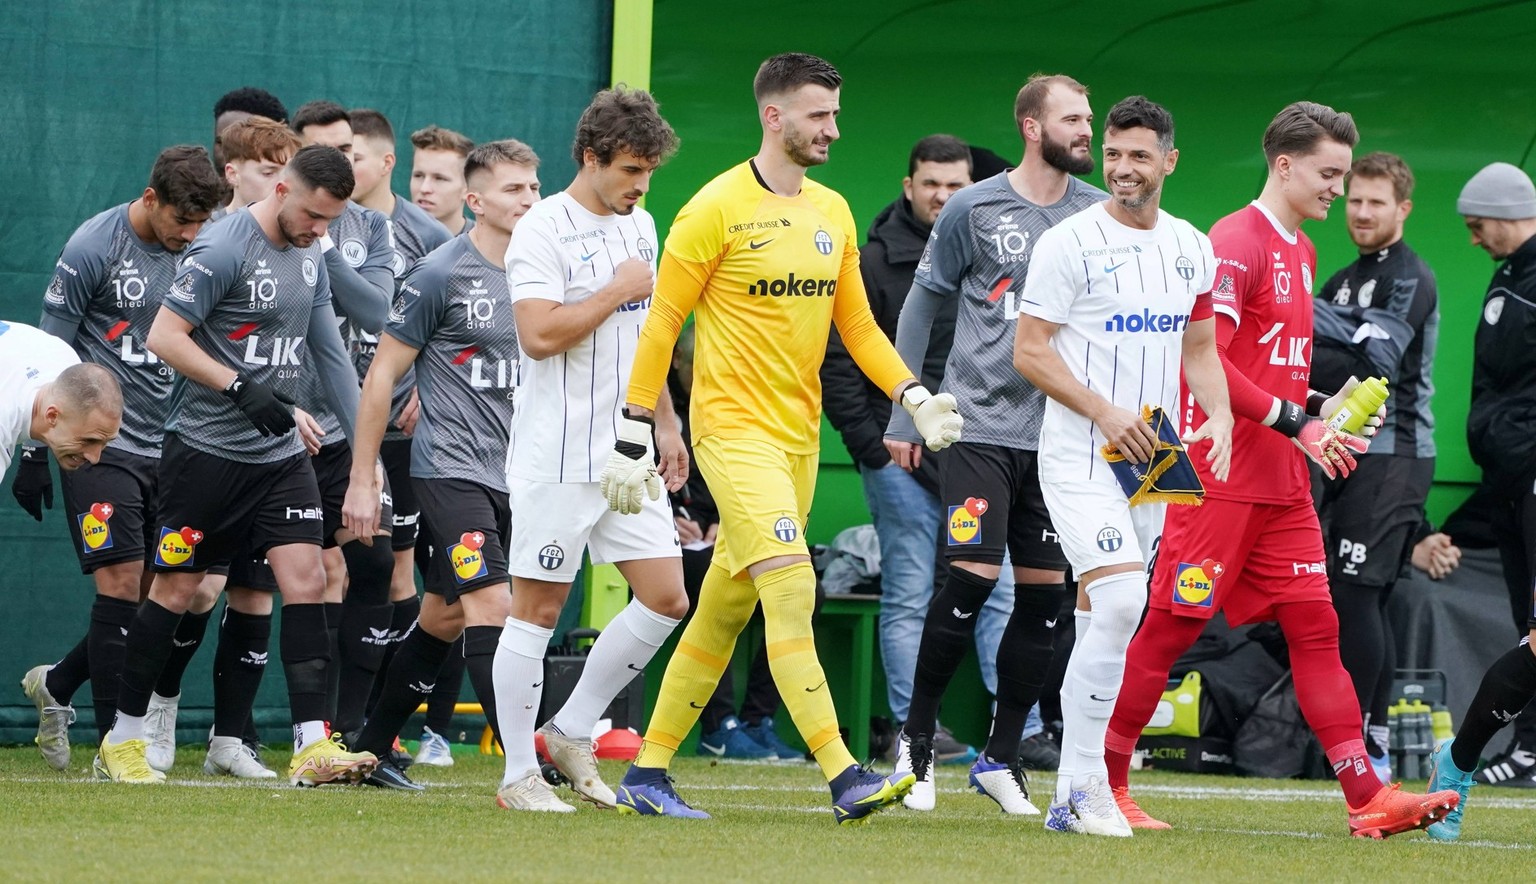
(45, 397)
(581, 271)
(1117, 297)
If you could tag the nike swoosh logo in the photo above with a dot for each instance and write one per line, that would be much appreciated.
(653, 805)
(538, 684)
(1050, 624)
(634, 667)
(711, 749)
(588, 257)
(758, 245)
(817, 688)
(1111, 268)
(956, 612)
(1101, 699)
(695, 705)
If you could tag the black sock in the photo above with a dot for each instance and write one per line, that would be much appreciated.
(364, 629)
(1507, 687)
(946, 636)
(147, 647)
(306, 661)
(1023, 660)
(73, 668)
(108, 639)
(479, 653)
(333, 646)
(238, 665)
(188, 638)
(403, 613)
(1362, 629)
(407, 682)
(450, 683)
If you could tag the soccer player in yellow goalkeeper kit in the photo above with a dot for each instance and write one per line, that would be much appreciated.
(769, 260)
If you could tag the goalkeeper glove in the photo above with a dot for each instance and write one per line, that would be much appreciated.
(271, 411)
(33, 486)
(1332, 450)
(631, 468)
(936, 417)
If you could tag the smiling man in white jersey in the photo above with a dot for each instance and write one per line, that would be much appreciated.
(581, 273)
(1117, 296)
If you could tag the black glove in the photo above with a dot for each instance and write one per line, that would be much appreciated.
(268, 409)
(33, 486)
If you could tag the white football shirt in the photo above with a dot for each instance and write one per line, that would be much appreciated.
(1123, 298)
(566, 407)
(30, 358)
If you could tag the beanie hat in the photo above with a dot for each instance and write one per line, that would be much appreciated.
(1498, 191)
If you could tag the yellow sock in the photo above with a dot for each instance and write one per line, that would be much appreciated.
(703, 652)
(788, 595)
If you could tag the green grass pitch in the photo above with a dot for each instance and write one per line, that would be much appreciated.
(771, 823)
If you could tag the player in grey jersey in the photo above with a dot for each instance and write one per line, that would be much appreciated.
(102, 299)
(249, 309)
(416, 232)
(989, 483)
(453, 322)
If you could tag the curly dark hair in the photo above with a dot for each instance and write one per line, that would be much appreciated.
(623, 119)
(183, 177)
(251, 100)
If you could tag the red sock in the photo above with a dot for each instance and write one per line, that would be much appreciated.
(1161, 640)
(1354, 772)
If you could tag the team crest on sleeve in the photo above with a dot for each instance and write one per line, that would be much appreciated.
(551, 556)
(177, 547)
(353, 252)
(1109, 539)
(1367, 292)
(182, 289)
(823, 242)
(1185, 268)
(785, 529)
(1195, 585)
(466, 557)
(96, 528)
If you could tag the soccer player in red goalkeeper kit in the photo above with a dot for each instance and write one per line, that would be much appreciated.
(1254, 549)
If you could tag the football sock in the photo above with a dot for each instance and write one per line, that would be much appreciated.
(1362, 636)
(518, 673)
(107, 640)
(364, 628)
(407, 682)
(307, 732)
(302, 641)
(238, 665)
(948, 631)
(1353, 769)
(480, 644)
(1162, 639)
(450, 683)
(1506, 688)
(1326, 694)
(72, 670)
(402, 614)
(333, 645)
(703, 652)
(788, 594)
(147, 646)
(1066, 768)
(1023, 659)
(188, 638)
(1098, 664)
(619, 654)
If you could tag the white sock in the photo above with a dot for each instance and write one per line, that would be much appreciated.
(126, 727)
(618, 655)
(306, 732)
(1098, 664)
(518, 673)
(1068, 766)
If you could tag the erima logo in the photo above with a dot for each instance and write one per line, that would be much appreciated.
(1146, 321)
(186, 644)
(421, 686)
(255, 658)
(794, 287)
(377, 637)
(962, 616)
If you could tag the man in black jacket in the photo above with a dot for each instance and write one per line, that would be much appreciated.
(905, 505)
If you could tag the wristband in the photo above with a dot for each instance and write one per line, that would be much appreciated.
(1291, 419)
(1315, 402)
(327, 244)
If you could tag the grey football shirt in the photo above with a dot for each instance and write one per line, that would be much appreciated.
(979, 252)
(453, 307)
(250, 305)
(362, 276)
(107, 286)
(417, 234)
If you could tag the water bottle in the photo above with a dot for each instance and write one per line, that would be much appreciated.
(1395, 736)
(1421, 735)
(1440, 720)
(1359, 405)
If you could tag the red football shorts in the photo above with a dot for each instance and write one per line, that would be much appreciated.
(1240, 558)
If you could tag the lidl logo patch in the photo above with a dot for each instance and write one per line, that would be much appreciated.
(95, 528)
(176, 548)
(964, 526)
(1195, 585)
(467, 559)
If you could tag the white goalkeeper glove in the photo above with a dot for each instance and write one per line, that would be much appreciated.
(631, 468)
(936, 417)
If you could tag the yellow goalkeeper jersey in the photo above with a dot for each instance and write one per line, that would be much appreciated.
(767, 275)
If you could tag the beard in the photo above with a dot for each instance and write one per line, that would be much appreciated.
(798, 147)
(1141, 199)
(1058, 155)
(1373, 240)
(294, 236)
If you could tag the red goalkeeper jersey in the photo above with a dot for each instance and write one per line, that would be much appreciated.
(1263, 304)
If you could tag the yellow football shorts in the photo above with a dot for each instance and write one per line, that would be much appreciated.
(764, 496)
